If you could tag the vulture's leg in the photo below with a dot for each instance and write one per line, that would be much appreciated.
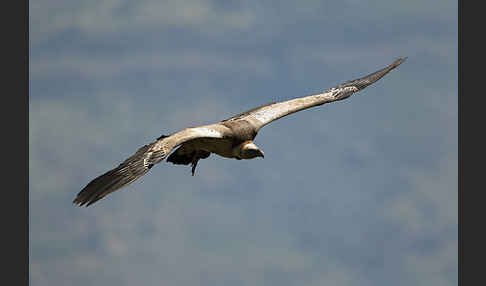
(195, 159)
(197, 155)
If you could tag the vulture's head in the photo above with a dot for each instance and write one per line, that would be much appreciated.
(248, 150)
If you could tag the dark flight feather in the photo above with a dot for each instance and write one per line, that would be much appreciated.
(127, 172)
(367, 80)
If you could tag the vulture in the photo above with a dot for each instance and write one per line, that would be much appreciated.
(230, 138)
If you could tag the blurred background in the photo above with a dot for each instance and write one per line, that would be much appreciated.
(356, 192)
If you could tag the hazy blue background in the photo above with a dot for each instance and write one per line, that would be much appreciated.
(357, 192)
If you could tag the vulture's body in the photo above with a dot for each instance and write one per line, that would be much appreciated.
(230, 138)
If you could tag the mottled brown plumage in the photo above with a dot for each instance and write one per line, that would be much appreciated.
(230, 138)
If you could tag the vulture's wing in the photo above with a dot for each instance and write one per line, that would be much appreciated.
(265, 114)
(140, 162)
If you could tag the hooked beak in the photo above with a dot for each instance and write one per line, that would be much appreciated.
(261, 154)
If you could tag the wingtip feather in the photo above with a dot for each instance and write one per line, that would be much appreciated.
(398, 62)
(362, 83)
(127, 172)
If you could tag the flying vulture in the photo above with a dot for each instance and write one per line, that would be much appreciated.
(230, 138)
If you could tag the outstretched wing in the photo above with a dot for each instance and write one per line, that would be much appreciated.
(265, 114)
(140, 163)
